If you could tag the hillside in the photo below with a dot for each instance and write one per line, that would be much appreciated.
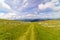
(18, 30)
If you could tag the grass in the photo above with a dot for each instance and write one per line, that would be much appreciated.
(17, 30)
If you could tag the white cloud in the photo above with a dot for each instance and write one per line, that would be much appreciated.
(1, 1)
(4, 5)
(16, 15)
(44, 6)
(22, 5)
(12, 16)
(7, 15)
(52, 15)
(50, 4)
(31, 16)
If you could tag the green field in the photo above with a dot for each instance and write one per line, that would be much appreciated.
(18, 30)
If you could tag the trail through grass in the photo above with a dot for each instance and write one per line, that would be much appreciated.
(17, 30)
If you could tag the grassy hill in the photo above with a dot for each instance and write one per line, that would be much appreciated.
(17, 30)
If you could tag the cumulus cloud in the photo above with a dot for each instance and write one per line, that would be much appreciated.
(45, 6)
(13, 16)
(24, 5)
(7, 16)
(30, 9)
(4, 5)
(52, 4)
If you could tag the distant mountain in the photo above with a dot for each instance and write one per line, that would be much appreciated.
(33, 20)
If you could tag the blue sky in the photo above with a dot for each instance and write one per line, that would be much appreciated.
(21, 9)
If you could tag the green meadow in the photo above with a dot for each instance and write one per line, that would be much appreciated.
(19, 30)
